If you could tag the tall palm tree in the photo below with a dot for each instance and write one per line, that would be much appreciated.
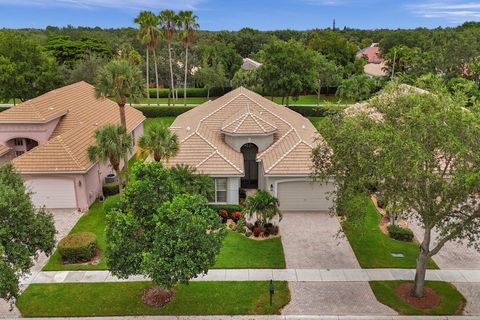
(120, 81)
(149, 34)
(169, 24)
(189, 24)
(159, 142)
(112, 143)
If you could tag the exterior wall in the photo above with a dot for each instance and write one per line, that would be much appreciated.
(261, 141)
(39, 132)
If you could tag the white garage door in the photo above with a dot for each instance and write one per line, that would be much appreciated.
(304, 196)
(52, 193)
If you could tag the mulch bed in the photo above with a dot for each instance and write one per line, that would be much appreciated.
(430, 298)
(156, 297)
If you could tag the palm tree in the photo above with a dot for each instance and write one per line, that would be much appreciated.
(149, 34)
(193, 182)
(264, 205)
(120, 81)
(159, 142)
(112, 143)
(169, 24)
(189, 23)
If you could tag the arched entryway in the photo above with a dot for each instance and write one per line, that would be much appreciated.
(21, 145)
(250, 180)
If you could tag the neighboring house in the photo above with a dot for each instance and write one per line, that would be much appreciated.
(245, 141)
(375, 66)
(47, 137)
(249, 64)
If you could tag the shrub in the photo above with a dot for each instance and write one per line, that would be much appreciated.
(192, 92)
(229, 207)
(399, 233)
(257, 231)
(271, 229)
(78, 247)
(241, 226)
(224, 214)
(235, 215)
(110, 189)
(155, 112)
(381, 202)
(112, 202)
(316, 111)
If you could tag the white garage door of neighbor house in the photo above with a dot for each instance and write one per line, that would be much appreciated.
(52, 193)
(304, 196)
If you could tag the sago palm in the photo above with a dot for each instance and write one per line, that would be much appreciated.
(112, 144)
(159, 142)
(149, 34)
(264, 205)
(189, 24)
(120, 80)
(169, 24)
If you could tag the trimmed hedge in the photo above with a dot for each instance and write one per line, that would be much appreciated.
(192, 92)
(110, 189)
(78, 247)
(306, 111)
(155, 112)
(229, 207)
(399, 233)
(112, 202)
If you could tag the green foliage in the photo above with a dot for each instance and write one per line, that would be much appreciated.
(334, 46)
(84, 69)
(26, 69)
(110, 189)
(359, 87)
(246, 78)
(451, 300)
(112, 203)
(210, 77)
(264, 205)
(316, 111)
(288, 68)
(156, 112)
(192, 182)
(399, 233)
(68, 51)
(221, 53)
(159, 142)
(229, 207)
(24, 232)
(195, 92)
(122, 299)
(78, 247)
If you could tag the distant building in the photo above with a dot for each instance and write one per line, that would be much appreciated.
(375, 66)
(249, 64)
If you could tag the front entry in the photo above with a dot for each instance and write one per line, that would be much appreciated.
(250, 180)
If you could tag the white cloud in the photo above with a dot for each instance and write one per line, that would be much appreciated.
(451, 10)
(122, 4)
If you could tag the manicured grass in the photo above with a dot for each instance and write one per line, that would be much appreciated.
(240, 252)
(373, 248)
(452, 301)
(123, 299)
(316, 121)
(93, 221)
(179, 102)
(165, 120)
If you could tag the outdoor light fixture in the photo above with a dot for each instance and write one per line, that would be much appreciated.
(271, 290)
(271, 187)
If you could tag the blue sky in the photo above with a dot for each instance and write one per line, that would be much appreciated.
(234, 15)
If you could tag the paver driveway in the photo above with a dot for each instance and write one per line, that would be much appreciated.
(311, 240)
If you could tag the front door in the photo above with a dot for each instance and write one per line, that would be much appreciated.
(250, 180)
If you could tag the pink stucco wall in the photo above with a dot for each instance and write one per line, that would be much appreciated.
(39, 132)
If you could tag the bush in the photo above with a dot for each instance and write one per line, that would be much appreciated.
(192, 92)
(257, 231)
(315, 111)
(271, 229)
(223, 213)
(241, 226)
(155, 112)
(110, 189)
(229, 207)
(78, 247)
(235, 215)
(399, 233)
(111, 203)
(381, 202)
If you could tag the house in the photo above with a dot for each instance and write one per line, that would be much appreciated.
(375, 66)
(245, 141)
(250, 64)
(47, 137)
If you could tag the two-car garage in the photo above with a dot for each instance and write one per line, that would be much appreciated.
(304, 195)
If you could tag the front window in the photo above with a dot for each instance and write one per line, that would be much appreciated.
(19, 142)
(220, 190)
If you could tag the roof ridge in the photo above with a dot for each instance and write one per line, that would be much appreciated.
(275, 144)
(215, 148)
(68, 150)
(282, 157)
(242, 120)
(254, 117)
(204, 160)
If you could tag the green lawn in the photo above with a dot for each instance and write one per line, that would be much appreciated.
(123, 299)
(241, 252)
(452, 301)
(93, 221)
(179, 102)
(373, 248)
(165, 120)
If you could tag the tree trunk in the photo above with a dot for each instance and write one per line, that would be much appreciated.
(288, 98)
(283, 100)
(156, 76)
(120, 186)
(318, 93)
(172, 88)
(123, 121)
(208, 93)
(421, 269)
(186, 74)
(148, 82)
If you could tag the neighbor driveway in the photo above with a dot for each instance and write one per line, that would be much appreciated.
(311, 240)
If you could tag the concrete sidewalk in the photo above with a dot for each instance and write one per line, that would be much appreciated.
(273, 317)
(291, 275)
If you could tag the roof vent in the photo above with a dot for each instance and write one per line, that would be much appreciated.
(303, 126)
(95, 124)
(51, 108)
(188, 128)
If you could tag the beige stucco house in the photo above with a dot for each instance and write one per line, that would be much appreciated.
(46, 139)
(245, 141)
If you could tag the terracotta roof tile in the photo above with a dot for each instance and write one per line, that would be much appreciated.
(3, 150)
